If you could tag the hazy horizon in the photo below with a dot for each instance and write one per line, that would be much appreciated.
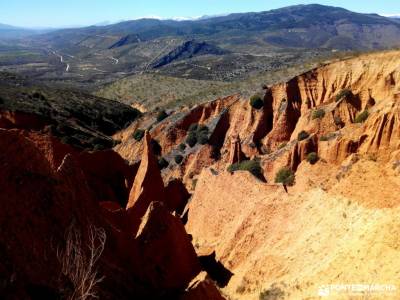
(45, 13)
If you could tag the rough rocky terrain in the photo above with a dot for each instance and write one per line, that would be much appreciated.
(336, 223)
(172, 213)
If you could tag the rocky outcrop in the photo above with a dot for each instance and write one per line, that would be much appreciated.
(188, 49)
(201, 288)
(148, 186)
(21, 120)
(109, 175)
(257, 230)
(165, 247)
(45, 192)
(176, 196)
(50, 194)
(236, 154)
(268, 237)
(381, 132)
(126, 40)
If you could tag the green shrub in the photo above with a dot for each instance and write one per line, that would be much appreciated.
(138, 134)
(99, 147)
(338, 121)
(202, 128)
(161, 116)
(155, 147)
(303, 135)
(251, 166)
(312, 158)
(202, 138)
(38, 95)
(178, 159)
(191, 139)
(182, 147)
(116, 142)
(324, 138)
(256, 102)
(162, 163)
(343, 94)
(197, 134)
(283, 145)
(273, 293)
(193, 127)
(70, 140)
(194, 183)
(361, 117)
(285, 176)
(318, 114)
(97, 142)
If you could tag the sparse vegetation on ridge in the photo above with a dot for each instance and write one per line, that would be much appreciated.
(178, 159)
(162, 163)
(182, 147)
(303, 135)
(138, 134)
(343, 94)
(256, 102)
(197, 134)
(362, 117)
(285, 176)
(161, 115)
(338, 121)
(251, 166)
(318, 114)
(312, 158)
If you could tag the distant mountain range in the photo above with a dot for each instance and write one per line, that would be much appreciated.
(213, 48)
(11, 32)
(305, 26)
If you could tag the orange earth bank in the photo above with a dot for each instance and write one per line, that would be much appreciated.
(339, 223)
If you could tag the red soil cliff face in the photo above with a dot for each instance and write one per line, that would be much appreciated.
(259, 231)
(48, 187)
(289, 108)
(335, 224)
(147, 187)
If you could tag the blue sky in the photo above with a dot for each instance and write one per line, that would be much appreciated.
(58, 13)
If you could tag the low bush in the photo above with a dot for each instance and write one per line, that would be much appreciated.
(343, 94)
(202, 138)
(273, 293)
(98, 143)
(193, 127)
(361, 117)
(283, 145)
(202, 128)
(163, 163)
(318, 114)
(338, 121)
(182, 147)
(312, 158)
(138, 134)
(155, 147)
(324, 138)
(178, 159)
(251, 166)
(38, 95)
(303, 135)
(197, 134)
(256, 102)
(285, 176)
(191, 139)
(161, 116)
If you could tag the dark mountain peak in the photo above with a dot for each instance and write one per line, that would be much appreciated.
(188, 49)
